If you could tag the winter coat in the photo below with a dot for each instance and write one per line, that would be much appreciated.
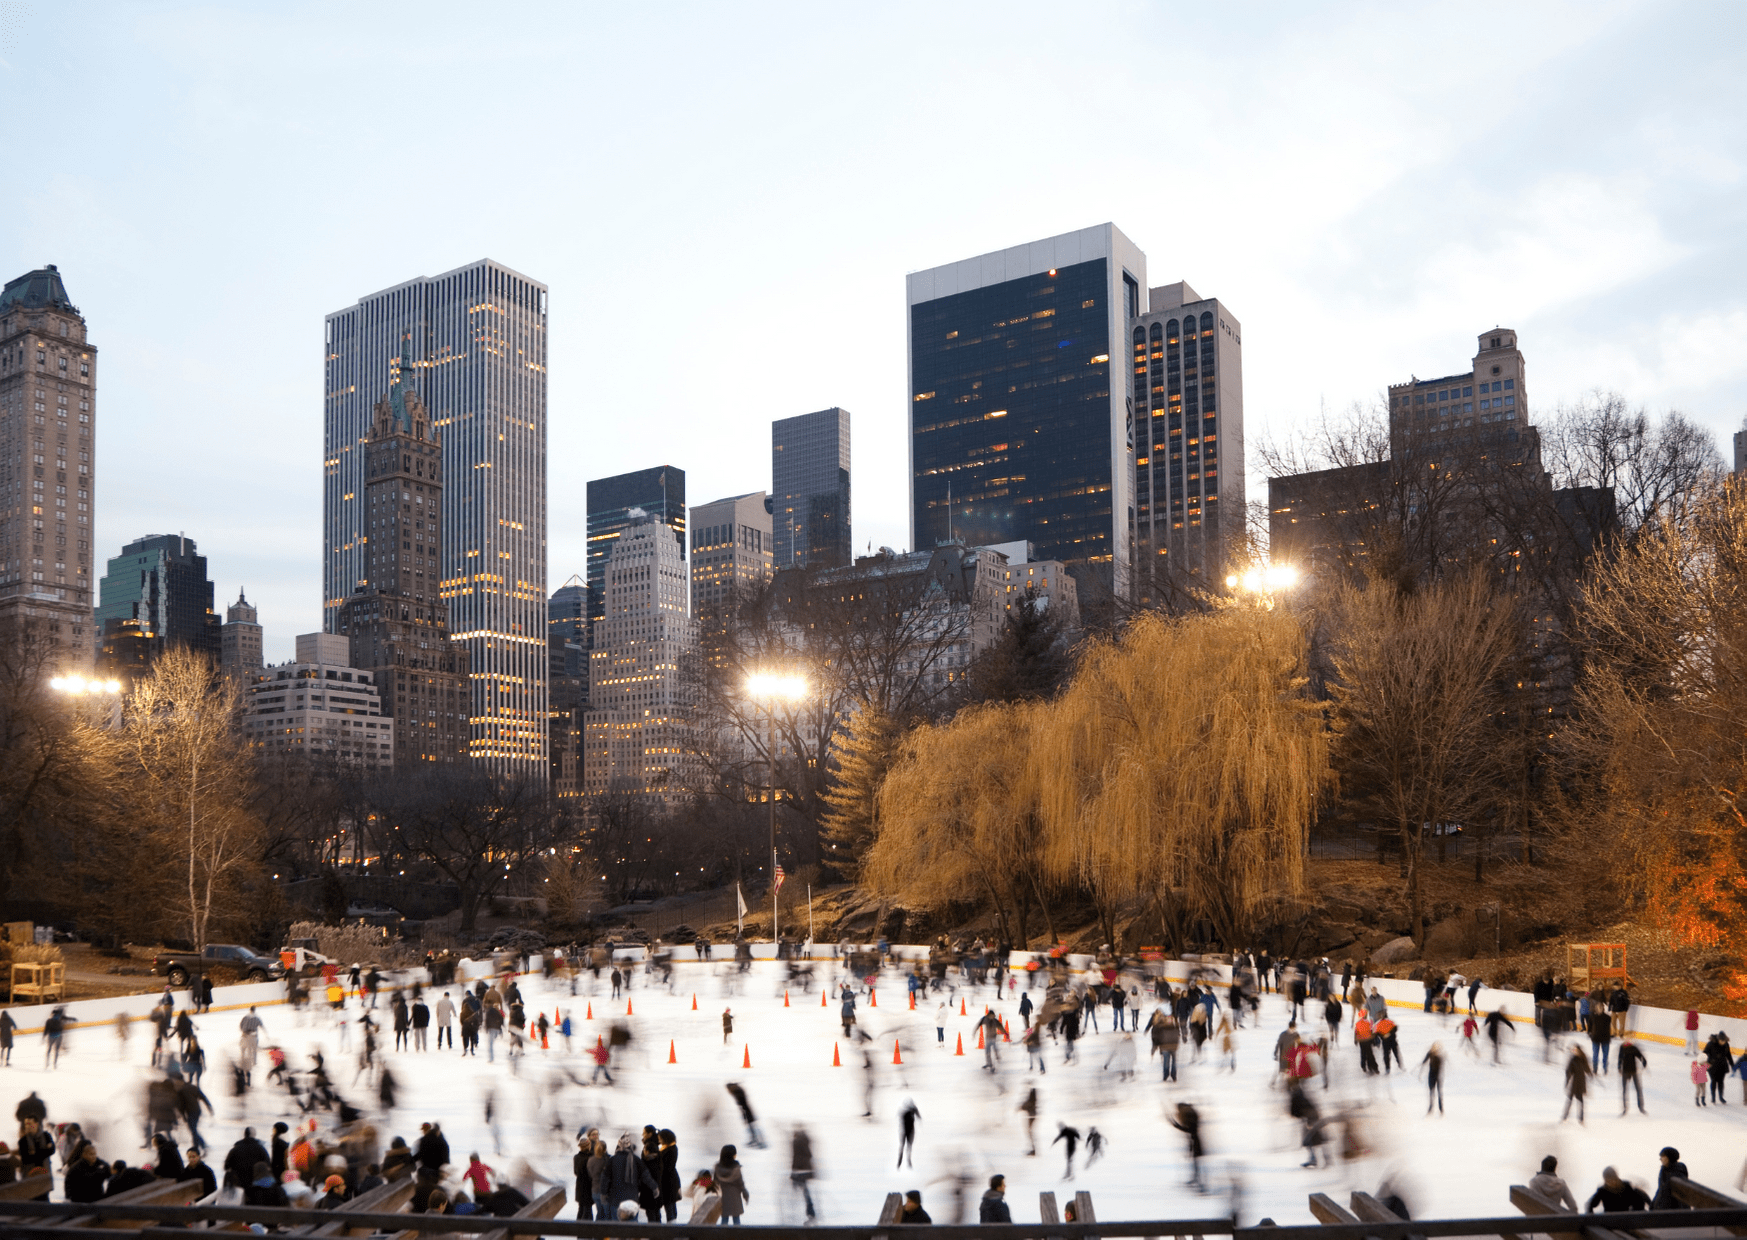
(1665, 1198)
(1614, 1200)
(433, 1149)
(732, 1187)
(667, 1176)
(85, 1181)
(1577, 1073)
(265, 1192)
(627, 1177)
(993, 1208)
(445, 1011)
(239, 1164)
(203, 1173)
(128, 1178)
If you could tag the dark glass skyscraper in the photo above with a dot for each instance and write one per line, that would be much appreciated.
(157, 591)
(659, 491)
(809, 474)
(1017, 431)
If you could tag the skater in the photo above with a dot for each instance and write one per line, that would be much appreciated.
(54, 1029)
(1025, 1007)
(1498, 1023)
(1717, 1063)
(1470, 1027)
(801, 1168)
(421, 1021)
(1548, 1184)
(907, 1131)
(1433, 1063)
(445, 1013)
(1363, 1039)
(1384, 1031)
(1601, 1034)
(728, 1025)
(1577, 1074)
(1188, 1122)
(940, 1015)
(754, 1138)
(1699, 1078)
(1331, 1015)
(1033, 1040)
(1070, 1138)
(250, 1045)
(846, 1013)
(1632, 1065)
(1028, 1108)
(1094, 1145)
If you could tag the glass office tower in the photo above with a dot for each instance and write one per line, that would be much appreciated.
(477, 337)
(1017, 431)
(809, 472)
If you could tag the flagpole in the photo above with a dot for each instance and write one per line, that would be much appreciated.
(809, 914)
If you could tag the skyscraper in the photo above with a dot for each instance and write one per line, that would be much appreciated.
(567, 651)
(157, 591)
(1187, 353)
(1017, 429)
(396, 627)
(48, 385)
(809, 485)
(240, 640)
(320, 708)
(477, 340)
(731, 554)
(613, 505)
(638, 730)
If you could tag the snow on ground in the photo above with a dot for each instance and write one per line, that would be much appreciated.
(1498, 1123)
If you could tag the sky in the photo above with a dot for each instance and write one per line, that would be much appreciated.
(724, 201)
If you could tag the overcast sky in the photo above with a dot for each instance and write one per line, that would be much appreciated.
(724, 200)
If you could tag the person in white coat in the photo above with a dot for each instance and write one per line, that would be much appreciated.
(445, 1015)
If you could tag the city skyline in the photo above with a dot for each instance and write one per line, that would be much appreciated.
(1455, 207)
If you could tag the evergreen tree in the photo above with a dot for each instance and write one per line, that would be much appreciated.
(861, 754)
(1031, 659)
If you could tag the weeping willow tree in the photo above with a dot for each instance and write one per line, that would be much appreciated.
(1182, 769)
(1178, 772)
(958, 821)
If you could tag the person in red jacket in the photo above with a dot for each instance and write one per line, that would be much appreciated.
(1692, 1033)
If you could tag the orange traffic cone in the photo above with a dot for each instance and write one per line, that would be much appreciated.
(912, 1001)
(671, 1057)
(897, 1054)
(557, 1017)
(785, 998)
(960, 1050)
(544, 1045)
(1005, 1035)
(873, 998)
(962, 1010)
(628, 1011)
(590, 1015)
(746, 1059)
(694, 1001)
(979, 1036)
(599, 1041)
(822, 1000)
(836, 1059)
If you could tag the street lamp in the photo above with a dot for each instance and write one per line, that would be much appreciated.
(105, 692)
(1263, 581)
(772, 688)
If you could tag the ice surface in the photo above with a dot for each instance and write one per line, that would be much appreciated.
(1498, 1123)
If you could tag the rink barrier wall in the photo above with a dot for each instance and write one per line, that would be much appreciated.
(30, 1218)
(1649, 1024)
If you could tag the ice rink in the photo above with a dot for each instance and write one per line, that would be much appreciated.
(1498, 1121)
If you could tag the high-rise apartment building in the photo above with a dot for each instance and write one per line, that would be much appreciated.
(155, 592)
(239, 641)
(1019, 428)
(1188, 393)
(319, 707)
(731, 555)
(567, 652)
(48, 386)
(476, 338)
(809, 487)
(638, 730)
(617, 503)
(396, 624)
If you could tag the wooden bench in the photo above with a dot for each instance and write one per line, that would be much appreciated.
(1083, 1211)
(1369, 1210)
(157, 1193)
(392, 1198)
(1534, 1205)
(1701, 1198)
(1325, 1209)
(1048, 1211)
(28, 1189)
(546, 1205)
(889, 1213)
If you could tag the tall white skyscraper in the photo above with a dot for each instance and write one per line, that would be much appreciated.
(477, 338)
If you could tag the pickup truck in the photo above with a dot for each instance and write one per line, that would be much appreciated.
(217, 961)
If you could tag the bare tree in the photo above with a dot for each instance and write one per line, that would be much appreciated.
(1417, 680)
(191, 779)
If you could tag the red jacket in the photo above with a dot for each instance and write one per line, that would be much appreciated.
(1692, 1020)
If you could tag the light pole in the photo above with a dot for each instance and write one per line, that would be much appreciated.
(771, 688)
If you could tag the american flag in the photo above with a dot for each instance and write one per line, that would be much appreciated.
(779, 878)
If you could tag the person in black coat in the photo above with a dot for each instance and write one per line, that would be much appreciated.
(1672, 1169)
(913, 1211)
(628, 1176)
(168, 1164)
(433, 1148)
(584, 1184)
(667, 1177)
(993, 1207)
(123, 1177)
(86, 1178)
(239, 1164)
(1616, 1195)
(280, 1151)
(263, 1190)
(196, 1169)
